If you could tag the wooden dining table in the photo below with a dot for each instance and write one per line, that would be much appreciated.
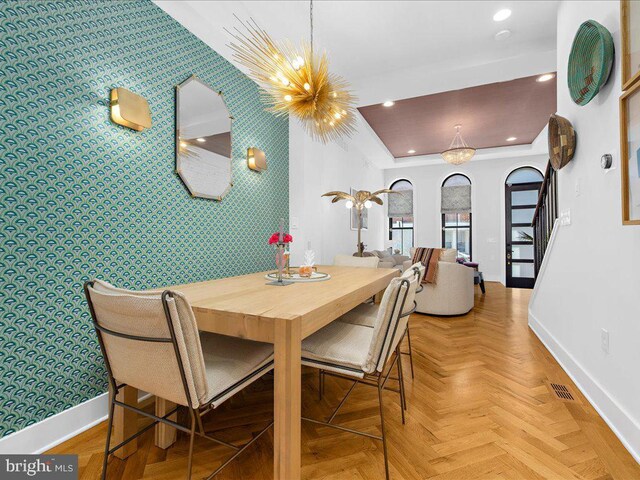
(246, 307)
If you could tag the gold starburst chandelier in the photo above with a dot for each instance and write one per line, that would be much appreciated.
(296, 81)
(459, 152)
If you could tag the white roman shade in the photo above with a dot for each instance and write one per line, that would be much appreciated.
(401, 203)
(456, 199)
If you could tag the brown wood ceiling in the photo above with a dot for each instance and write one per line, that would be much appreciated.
(489, 114)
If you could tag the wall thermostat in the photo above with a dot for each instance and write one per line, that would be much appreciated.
(606, 161)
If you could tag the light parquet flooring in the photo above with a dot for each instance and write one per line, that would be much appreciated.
(478, 408)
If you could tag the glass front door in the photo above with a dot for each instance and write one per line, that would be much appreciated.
(520, 205)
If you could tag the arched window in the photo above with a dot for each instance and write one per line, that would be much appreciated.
(524, 175)
(456, 214)
(401, 216)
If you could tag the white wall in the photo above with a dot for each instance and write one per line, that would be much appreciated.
(592, 272)
(487, 205)
(314, 169)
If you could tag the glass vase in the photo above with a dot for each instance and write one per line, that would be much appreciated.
(280, 260)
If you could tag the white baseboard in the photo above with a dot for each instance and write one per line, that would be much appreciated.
(48, 433)
(52, 431)
(621, 423)
(492, 278)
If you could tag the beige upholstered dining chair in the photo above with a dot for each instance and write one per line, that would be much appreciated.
(350, 261)
(366, 313)
(150, 341)
(419, 270)
(364, 354)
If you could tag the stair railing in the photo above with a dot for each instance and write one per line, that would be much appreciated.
(545, 215)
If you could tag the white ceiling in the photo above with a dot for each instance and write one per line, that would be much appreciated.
(367, 39)
(395, 49)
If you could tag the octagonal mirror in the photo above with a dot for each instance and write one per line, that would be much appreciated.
(203, 140)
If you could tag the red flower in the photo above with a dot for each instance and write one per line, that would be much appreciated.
(275, 238)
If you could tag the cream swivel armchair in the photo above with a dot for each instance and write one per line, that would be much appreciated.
(150, 340)
(363, 354)
(453, 292)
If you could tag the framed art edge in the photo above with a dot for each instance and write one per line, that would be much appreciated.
(631, 82)
(626, 79)
(624, 157)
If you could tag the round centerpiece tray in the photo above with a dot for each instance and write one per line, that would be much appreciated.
(295, 277)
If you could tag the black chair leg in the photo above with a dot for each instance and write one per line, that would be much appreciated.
(199, 419)
(384, 438)
(109, 428)
(410, 350)
(403, 398)
(191, 440)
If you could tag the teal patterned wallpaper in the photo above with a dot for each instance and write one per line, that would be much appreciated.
(81, 197)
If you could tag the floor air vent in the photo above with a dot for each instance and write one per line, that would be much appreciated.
(562, 392)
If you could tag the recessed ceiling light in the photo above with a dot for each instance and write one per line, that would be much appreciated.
(511, 139)
(200, 140)
(502, 35)
(545, 78)
(411, 151)
(502, 15)
(388, 103)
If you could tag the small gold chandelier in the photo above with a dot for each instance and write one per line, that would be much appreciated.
(295, 82)
(459, 152)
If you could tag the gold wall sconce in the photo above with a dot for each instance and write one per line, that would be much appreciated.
(256, 159)
(129, 110)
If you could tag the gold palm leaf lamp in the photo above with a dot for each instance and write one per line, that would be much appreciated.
(360, 200)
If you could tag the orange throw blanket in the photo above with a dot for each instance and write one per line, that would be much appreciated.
(429, 258)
